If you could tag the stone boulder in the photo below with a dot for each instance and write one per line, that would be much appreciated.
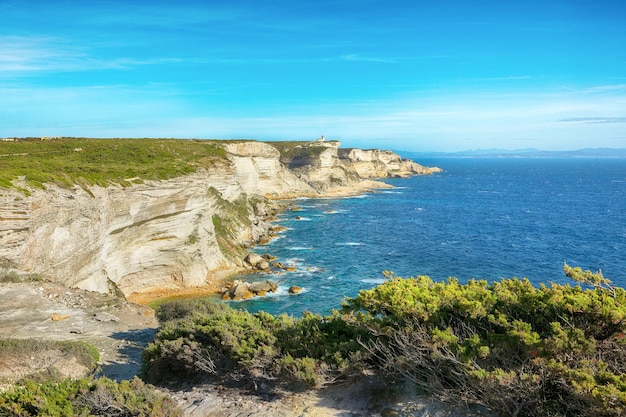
(105, 317)
(294, 289)
(263, 286)
(263, 266)
(240, 290)
(253, 259)
(259, 262)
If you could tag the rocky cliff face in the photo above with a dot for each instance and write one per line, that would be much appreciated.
(178, 233)
(375, 163)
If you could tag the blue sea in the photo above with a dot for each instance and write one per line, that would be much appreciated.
(483, 218)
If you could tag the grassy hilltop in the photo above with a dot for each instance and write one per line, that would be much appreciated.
(69, 161)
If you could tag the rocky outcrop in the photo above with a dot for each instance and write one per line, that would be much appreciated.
(375, 163)
(240, 290)
(259, 170)
(318, 163)
(184, 232)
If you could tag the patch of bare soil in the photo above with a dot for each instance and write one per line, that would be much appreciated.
(118, 329)
(366, 397)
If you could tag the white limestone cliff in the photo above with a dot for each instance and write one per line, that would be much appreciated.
(375, 163)
(178, 233)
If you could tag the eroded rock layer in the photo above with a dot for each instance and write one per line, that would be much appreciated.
(180, 233)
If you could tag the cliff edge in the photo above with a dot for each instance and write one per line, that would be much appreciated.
(184, 232)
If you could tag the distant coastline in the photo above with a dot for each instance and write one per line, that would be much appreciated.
(520, 153)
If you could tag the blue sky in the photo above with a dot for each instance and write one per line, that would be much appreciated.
(407, 75)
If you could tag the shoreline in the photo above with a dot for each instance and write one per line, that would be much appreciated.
(220, 280)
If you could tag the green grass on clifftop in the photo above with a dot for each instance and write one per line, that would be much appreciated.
(297, 149)
(70, 161)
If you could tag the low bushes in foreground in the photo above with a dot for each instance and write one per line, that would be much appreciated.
(202, 336)
(48, 392)
(86, 397)
(555, 350)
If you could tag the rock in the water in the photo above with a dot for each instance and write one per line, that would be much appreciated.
(240, 289)
(253, 259)
(243, 296)
(389, 412)
(263, 266)
(258, 287)
(268, 257)
(294, 289)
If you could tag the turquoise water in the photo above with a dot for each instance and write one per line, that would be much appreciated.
(481, 218)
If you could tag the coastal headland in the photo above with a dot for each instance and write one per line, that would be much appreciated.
(146, 237)
(92, 228)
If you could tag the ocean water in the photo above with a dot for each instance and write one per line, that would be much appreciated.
(482, 218)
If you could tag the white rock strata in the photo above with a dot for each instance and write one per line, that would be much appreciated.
(161, 234)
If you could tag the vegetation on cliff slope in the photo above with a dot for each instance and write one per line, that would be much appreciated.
(71, 161)
(523, 351)
(299, 154)
(230, 218)
(555, 350)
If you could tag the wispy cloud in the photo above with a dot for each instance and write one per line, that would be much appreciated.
(594, 120)
(31, 53)
(28, 55)
(607, 88)
(361, 58)
(24, 56)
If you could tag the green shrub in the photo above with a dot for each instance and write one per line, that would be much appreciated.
(203, 336)
(86, 397)
(9, 276)
(521, 350)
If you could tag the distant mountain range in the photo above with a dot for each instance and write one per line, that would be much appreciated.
(520, 153)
